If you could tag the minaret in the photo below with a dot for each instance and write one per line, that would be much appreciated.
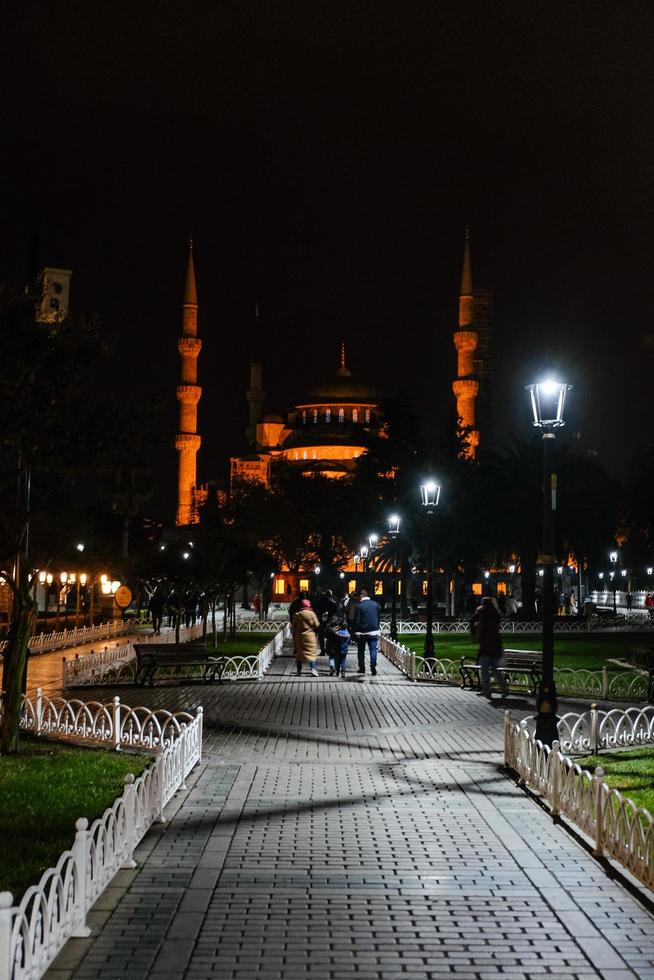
(466, 338)
(188, 441)
(343, 371)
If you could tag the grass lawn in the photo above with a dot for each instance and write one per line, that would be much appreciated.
(44, 791)
(587, 652)
(631, 771)
(239, 645)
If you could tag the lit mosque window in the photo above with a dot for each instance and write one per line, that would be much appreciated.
(304, 417)
(328, 415)
(367, 415)
(355, 414)
(341, 415)
(315, 415)
(304, 455)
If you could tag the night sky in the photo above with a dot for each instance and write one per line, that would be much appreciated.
(327, 157)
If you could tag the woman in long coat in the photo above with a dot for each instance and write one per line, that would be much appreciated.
(304, 626)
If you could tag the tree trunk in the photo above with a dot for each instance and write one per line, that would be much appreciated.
(15, 663)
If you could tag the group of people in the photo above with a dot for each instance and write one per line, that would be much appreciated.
(324, 626)
(166, 601)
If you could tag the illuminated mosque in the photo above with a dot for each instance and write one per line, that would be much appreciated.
(333, 424)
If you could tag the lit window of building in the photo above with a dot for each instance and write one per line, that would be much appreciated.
(315, 415)
(352, 586)
(328, 415)
(476, 588)
(355, 414)
(379, 587)
(341, 415)
(279, 586)
(304, 416)
(367, 415)
(304, 585)
(424, 586)
(501, 588)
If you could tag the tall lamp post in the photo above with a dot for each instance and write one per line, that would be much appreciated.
(393, 530)
(373, 541)
(547, 402)
(363, 551)
(613, 558)
(430, 494)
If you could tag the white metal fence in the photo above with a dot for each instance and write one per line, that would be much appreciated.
(595, 624)
(596, 729)
(33, 932)
(618, 685)
(45, 642)
(95, 666)
(118, 665)
(619, 829)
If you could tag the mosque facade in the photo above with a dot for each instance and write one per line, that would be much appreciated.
(332, 425)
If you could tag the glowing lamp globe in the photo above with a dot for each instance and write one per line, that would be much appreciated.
(430, 493)
(394, 524)
(547, 402)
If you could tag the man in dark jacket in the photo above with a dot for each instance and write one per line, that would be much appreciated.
(485, 625)
(366, 630)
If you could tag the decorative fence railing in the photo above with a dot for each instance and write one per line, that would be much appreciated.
(43, 642)
(619, 685)
(118, 665)
(592, 625)
(95, 667)
(591, 731)
(33, 932)
(619, 829)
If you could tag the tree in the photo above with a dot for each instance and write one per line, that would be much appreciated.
(46, 435)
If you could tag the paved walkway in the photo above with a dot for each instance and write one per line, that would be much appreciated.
(342, 829)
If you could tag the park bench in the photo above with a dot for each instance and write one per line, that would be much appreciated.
(526, 662)
(151, 656)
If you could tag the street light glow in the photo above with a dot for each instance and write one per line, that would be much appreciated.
(613, 557)
(547, 402)
(80, 547)
(394, 524)
(430, 492)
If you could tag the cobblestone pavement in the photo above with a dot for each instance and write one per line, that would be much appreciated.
(342, 829)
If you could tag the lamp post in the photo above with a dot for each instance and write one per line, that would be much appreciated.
(547, 402)
(363, 551)
(373, 542)
(394, 530)
(430, 494)
(613, 558)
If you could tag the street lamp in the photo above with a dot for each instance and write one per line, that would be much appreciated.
(547, 403)
(394, 530)
(363, 551)
(430, 493)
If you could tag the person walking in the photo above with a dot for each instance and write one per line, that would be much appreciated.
(350, 611)
(156, 607)
(485, 624)
(337, 643)
(303, 627)
(366, 630)
(296, 605)
(326, 607)
(649, 604)
(630, 601)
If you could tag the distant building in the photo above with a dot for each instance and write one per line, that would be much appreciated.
(325, 432)
(329, 427)
(473, 343)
